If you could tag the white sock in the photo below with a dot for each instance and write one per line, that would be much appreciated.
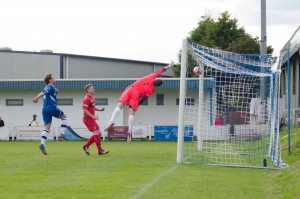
(130, 123)
(115, 114)
(63, 126)
(44, 136)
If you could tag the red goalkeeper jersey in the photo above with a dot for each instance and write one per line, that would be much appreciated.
(145, 85)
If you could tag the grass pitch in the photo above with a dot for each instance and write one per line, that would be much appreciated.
(141, 169)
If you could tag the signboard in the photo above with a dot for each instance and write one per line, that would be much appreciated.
(117, 132)
(32, 133)
(4, 133)
(83, 132)
(139, 132)
(170, 133)
(70, 134)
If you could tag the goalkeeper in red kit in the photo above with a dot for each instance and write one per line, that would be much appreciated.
(136, 94)
(89, 119)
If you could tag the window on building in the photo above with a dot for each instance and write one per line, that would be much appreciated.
(64, 102)
(294, 77)
(145, 102)
(160, 99)
(188, 101)
(283, 81)
(299, 84)
(14, 102)
(280, 89)
(102, 101)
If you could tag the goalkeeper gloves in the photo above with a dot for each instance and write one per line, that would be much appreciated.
(168, 66)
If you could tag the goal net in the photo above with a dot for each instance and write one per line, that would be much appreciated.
(236, 116)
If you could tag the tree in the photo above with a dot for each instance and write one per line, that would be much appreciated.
(220, 32)
(223, 33)
(191, 64)
(244, 44)
(270, 50)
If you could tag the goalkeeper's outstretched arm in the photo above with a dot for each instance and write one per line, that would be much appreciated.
(168, 66)
(161, 71)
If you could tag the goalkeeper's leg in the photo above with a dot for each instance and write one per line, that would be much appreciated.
(130, 126)
(133, 107)
(114, 115)
(124, 99)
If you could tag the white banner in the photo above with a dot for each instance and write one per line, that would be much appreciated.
(32, 133)
(4, 133)
(141, 131)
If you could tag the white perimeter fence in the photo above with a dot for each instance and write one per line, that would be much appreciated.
(33, 133)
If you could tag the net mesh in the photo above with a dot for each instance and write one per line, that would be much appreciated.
(236, 118)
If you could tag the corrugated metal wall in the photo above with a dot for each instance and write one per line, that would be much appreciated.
(31, 65)
(80, 68)
(101, 84)
(295, 84)
(28, 66)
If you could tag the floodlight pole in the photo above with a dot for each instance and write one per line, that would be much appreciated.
(180, 138)
(263, 49)
(263, 35)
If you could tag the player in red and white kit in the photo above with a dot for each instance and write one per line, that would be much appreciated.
(89, 119)
(136, 94)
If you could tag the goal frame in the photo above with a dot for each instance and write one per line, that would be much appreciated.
(181, 115)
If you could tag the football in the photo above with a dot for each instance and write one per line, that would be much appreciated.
(197, 70)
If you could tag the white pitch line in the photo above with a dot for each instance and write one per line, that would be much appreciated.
(153, 182)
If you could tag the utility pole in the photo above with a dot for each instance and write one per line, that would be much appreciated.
(263, 49)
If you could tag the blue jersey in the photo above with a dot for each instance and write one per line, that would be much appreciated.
(50, 95)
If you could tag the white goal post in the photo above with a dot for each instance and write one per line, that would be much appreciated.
(180, 139)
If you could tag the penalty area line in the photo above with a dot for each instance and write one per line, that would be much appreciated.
(153, 182)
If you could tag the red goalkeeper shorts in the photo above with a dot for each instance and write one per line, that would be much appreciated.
(131, 97)
(91, 124)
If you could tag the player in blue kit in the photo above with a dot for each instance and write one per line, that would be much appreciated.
(50, 110)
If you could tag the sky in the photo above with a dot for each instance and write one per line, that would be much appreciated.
(148, 30)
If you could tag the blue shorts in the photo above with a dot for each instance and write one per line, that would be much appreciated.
(49, 112)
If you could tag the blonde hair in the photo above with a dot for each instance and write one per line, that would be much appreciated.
(87, 86)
